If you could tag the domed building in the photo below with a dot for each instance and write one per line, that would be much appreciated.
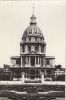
(32, 65)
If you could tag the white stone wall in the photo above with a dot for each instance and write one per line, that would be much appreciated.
(13, 61)
(32, 39)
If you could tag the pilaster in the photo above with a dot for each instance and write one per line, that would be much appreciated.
(38, 60)
(29, 61)
(22, 78)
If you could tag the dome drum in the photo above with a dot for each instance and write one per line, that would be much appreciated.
(29, 47)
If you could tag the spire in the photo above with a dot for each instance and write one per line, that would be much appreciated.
(33, 18)
(33, 8)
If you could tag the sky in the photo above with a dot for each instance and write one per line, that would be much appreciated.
(15, 18)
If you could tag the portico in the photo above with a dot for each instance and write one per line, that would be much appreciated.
(32, 60)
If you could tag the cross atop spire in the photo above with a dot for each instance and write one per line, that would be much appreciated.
(33, 8)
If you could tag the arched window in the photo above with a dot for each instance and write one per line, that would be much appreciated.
(29, 48)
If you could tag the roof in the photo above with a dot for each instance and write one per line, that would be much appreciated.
(15, 57)
(33, 29)
(50, 57)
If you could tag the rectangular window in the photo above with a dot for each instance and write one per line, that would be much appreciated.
(29, 48)
(42, 49)
(29, 38)
(36, 60)
(48, 62)
(36, 48)
(23, 61)
(18, 61)
(39, 60)
(42, 61)
(36, 39)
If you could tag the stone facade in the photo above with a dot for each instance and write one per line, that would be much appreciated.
(32, 65)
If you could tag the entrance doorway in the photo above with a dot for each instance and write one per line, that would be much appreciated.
(32, 74)
(32, 61)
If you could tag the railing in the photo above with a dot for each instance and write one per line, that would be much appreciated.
(21, 83)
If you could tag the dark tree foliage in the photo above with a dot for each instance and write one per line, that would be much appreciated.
(58, 67)
(60, 78)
